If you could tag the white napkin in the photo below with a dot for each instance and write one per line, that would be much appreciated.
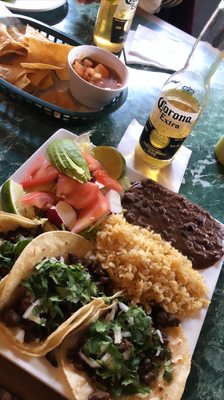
(170, 176)
(150, 47)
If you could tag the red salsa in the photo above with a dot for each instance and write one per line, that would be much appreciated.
(96, 73)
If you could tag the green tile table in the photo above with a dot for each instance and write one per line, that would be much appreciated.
(23, 130)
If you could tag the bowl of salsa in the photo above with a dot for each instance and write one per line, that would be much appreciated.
(96, 76)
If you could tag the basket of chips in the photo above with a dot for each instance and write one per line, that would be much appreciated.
(33, 69)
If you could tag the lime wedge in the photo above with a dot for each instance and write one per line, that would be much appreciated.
(11, 193)
(111, 160)
(219, 150)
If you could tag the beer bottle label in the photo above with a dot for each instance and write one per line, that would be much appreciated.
(171, 121)
(118, 34)
(167, 128)
(156, 145)
(121, 20)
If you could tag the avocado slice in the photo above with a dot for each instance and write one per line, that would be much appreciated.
(65, 155)
(75, 154)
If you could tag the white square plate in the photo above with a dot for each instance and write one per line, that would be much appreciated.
(40, 367)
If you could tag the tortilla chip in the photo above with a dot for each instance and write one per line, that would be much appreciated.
(32, 32)
(82, 387)
(27, 60)
(8, 43)
(10, 50)
(11, 72)
(62, 74)
(48, 52)
(16, 34)
(40, 66)
(47, 245)
(61, 98)
(46, 82)
(37, 76)
(22, 82)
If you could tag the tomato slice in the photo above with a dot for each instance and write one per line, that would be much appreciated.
(40, 172)
(92, 213)
(40, 200)
(102, 176)
(78, 195)
(92, 163)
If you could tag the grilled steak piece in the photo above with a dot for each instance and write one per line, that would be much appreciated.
(188, 227)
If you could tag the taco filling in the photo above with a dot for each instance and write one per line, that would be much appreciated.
(55, 290)
(123, 353)
(12, 243)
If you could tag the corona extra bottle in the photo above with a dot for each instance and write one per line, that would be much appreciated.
(113, 22)
(183, 97)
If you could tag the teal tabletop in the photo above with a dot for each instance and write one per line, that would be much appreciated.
(23, 130)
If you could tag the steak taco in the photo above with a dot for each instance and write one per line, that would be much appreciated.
(16, 232)
(51, 289)
(124, 354)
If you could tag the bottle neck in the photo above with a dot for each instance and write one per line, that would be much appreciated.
(204, 62)
(208, 50)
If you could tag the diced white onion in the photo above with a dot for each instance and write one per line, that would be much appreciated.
(91, 363)
(127, 354)
(123, 307)
(114, 201)
(28, 314)
(110, 316)
(107, 360)
(19, 335)
(103, 348)
(100, 185)
(158, 352)
(125, 334)
(117, 335)
(160, 335)
(131, 321)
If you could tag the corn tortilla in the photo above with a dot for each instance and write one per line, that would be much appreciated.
(81, 385)
(10, 222)
(47, 245)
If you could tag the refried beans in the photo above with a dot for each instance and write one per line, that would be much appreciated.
(188, 227)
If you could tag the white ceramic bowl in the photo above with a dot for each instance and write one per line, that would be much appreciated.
(85, 92)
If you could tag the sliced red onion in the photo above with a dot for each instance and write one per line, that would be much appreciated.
(62, 213)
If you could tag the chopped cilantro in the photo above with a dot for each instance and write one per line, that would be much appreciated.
(167, 376)
(9, 252)
(60, 288)
(125, 349)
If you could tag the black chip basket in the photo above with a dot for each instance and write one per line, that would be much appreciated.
(52, 110)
